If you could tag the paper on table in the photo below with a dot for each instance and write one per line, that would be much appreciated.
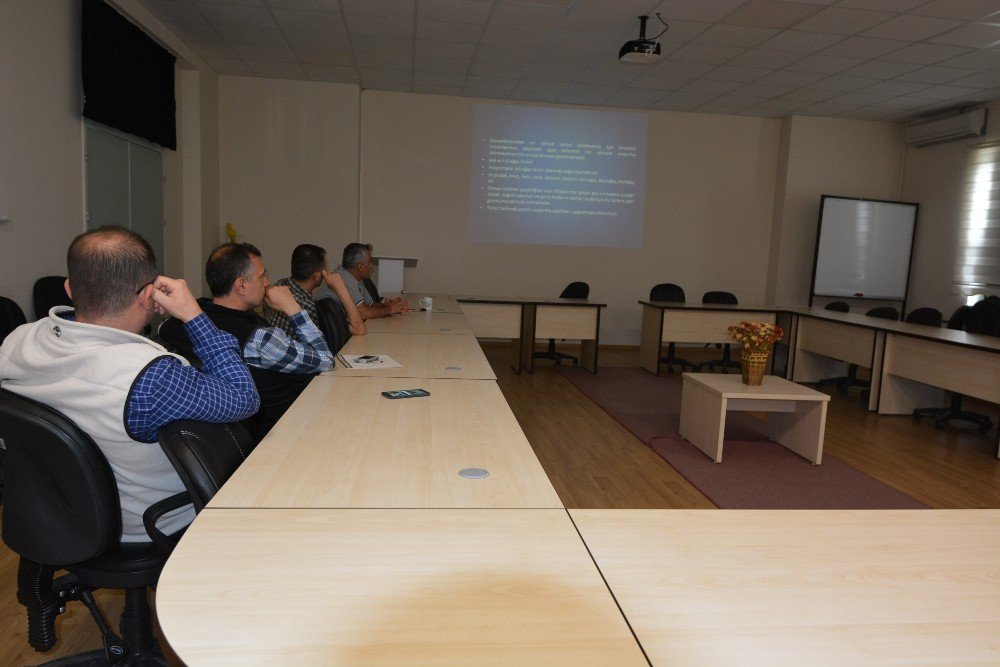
(380, 361)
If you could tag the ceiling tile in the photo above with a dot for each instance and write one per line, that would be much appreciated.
(174, 11)
(935, 74)
(842, 82)
(227, 65)
(403, 9)
(237, 36)
(842, 21)
(332, 73)
(924, 54)
(489, 85)
(261, 53)
(295, 19)
(426, 89)
(789, 78)
(273, 68)
(494, 68)
(318, 40)
(438, 78)
(976, 35)
(449, 31)
(882, 5)
(980, 80)
(456, 11)
(912, 28)
(697, 10)
(383, 74)
(306, 5)
(700, 53)
(950, 93)
(634, 97)
(968, 10)
(719, 87)
(242, 17)
(513, 52)
(553, 73)
(881, 69)
(824, 64)
(863, 47)
(765, 59)
(426, 47)
(894, 88)
(214, 50)
(798, 41)
(735, 36)
(504, 34)
(379, 26)
(527, 15)
(424, 63)
(770, 13)
(985, 59)
(777, 107)
(731, 73)
(328, 57)
(810, 94)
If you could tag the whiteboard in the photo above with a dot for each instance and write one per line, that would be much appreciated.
(863, 248)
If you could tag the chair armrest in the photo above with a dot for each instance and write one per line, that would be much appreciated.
(166, 543)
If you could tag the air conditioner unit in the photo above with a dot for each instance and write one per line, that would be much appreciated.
(960, 126)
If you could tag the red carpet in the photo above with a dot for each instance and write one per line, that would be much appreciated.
(755, 473)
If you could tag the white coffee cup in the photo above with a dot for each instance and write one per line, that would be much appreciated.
(426, 303)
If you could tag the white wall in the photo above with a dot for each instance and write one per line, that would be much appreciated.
(41, 142)
(935, 178)
(709, 193)
(830, 156)
(288, 165)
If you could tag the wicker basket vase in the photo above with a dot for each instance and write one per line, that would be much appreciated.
(752, 366)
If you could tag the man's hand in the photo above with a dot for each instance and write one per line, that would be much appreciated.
(173, 297)
(334, 281)
(398, 305)
(280, 298)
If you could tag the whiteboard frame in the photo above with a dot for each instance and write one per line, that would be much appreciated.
(909, 263)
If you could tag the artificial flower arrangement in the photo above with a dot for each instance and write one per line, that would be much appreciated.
(756, 336)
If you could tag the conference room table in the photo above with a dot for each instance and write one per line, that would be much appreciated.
(418, 322)
(441, 303)
(421, 356)
(343, 444)
(349, 537)
(910, 365)
(526, 319)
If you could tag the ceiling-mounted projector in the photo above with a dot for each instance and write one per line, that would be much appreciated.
(642, 50)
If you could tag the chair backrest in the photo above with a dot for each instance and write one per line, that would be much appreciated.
(333, 323)
(929, 316)
(884, 312)
(719, 297)
(959, 318)
(49, 291)
(11, 316)
(370, 286)
(60, 499)
(204, 455)
(984, 317)
(668, 292)
(838, 306)
(576, 290)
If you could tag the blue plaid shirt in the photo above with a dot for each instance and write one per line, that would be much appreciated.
(167, 390)
(306, 352)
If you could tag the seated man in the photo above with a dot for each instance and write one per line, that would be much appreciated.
(309, 271)
(281, 365)
(92, 365)
(355, 267)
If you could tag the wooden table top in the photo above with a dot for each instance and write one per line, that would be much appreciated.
(773, 387)
(442, 302)
(804, 587)
(343, 444)
(388, 587)
(417, 322)
(432, 356)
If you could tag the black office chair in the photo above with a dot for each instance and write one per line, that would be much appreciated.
(838, 306)
(726, 360)
(49, 291)
(62, 511)
(204, 455)
(845, 382)
(932, 317)
(11, 316)
(670, 293)
(370, 286)
(965, 318)
(333, 323)
(575, 290)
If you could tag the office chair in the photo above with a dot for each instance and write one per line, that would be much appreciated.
(62, 511)
(932, 317)
(369, 285)
(839, 306)
(333, 323)
(575, 290)
(961, 320)
(49, 291)
(725, 362)
(845, 382)
(670, 293)
(204, 455)
(11, 316)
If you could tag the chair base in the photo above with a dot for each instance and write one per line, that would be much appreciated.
(552, 355)
(942, 416)
(672, 359)
(847, 381)
(97, 658)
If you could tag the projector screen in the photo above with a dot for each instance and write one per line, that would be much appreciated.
(863, 248)
(557, 176)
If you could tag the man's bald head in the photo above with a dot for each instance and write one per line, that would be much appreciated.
(106, 266)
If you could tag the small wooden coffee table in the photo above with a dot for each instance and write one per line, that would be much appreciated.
(798, 422)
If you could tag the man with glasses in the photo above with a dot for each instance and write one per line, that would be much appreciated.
(355, 266)
(281, 364)
(91, 364)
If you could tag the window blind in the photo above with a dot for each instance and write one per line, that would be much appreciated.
(978, 262)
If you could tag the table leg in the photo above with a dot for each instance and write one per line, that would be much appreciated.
(651, 341)
(527, 342)
(802, 430)
(703, 419)
(588, 355)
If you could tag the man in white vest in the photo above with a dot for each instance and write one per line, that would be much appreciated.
(92, 365)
